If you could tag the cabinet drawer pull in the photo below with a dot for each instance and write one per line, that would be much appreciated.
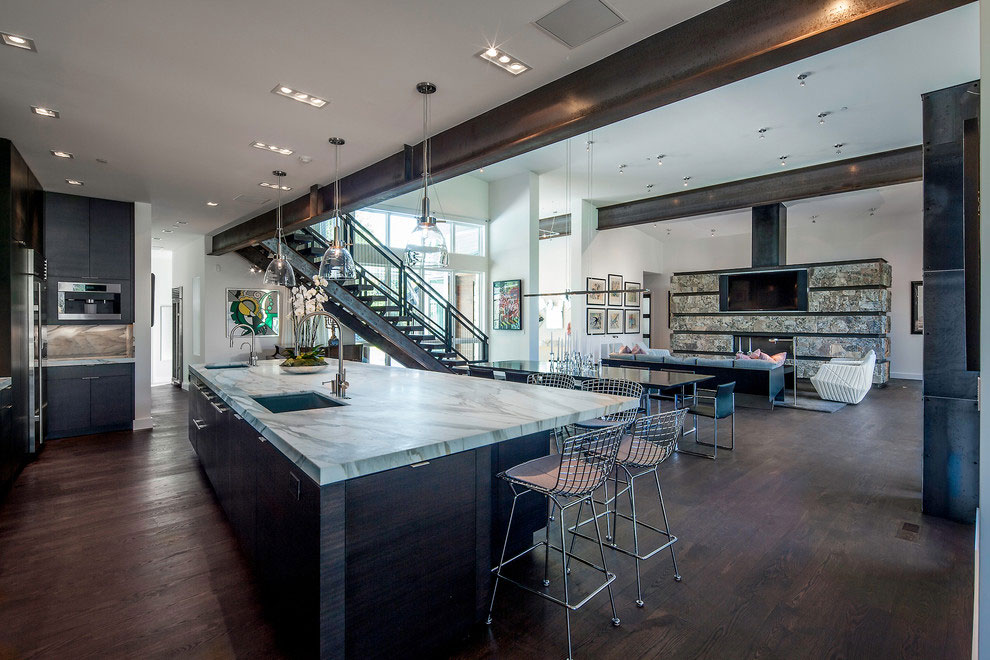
(262, 438)
(90, 377)
(199, 424)
(420, 464)
(238, 417)
(217, 407)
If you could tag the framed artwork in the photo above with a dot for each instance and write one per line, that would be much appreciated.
(507, 305)
(614, 321)
(632, 321)
(596, 321)
(633, 297)
(917, 308)
(595, 284)
(257, 308)
(615, 284)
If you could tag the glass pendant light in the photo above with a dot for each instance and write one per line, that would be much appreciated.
(426, 247)
(337, 263)
(279, 271)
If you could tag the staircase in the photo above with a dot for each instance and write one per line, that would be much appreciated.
(388, 304)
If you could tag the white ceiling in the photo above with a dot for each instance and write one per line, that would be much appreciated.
(172, 92)
(824, 213)
(713, 137)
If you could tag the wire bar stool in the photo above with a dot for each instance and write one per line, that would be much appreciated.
(582, 466)
(651, 442)
(561, 381)
(614, 387)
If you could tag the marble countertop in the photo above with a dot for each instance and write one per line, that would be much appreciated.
(396, 417)
(80, 362)
(4, 382)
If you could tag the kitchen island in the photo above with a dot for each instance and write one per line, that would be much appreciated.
(371, 524)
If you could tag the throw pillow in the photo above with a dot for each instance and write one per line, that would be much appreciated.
(741, 356)
(779, 358)
(755, 355)
(766, 357)
(625, 349)
(637, 350)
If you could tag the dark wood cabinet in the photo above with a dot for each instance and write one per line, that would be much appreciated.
(9, 455)
(339, 563)
(88, 399)
(89, 240)
(111, 239)
(67, 235)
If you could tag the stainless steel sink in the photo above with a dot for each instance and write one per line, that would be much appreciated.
(282, 403)
(232, 365)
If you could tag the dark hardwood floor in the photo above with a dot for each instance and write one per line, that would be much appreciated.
(793, 546)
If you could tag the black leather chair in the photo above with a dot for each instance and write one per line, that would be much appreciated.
(715, 405)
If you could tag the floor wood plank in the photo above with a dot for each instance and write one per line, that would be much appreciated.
(114, 546)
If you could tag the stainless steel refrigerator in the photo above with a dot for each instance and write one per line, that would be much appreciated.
(28, 348)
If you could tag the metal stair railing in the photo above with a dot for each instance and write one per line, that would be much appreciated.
(388, 277)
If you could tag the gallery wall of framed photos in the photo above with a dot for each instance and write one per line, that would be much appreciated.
(616, 309)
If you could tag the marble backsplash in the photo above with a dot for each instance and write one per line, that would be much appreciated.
(77, 341)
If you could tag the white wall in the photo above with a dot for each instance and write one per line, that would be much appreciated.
(161, 331)
(514, 253)
(142, 316)
(462, 198)
(841, 232)
(188, 264)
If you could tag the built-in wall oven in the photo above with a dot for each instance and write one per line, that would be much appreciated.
(88, 301)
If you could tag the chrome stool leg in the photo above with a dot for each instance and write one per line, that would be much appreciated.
(505, 545)
(567, 599)
(631, 489)
(666, 525)
(601, 548)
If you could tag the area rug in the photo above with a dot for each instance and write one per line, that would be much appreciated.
(806, 402)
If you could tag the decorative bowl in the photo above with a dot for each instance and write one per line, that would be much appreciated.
(315, 369)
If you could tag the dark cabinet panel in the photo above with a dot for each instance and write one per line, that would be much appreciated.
(67, 235)
(9, 456)
(111, 239)
(111, 401)
(951, 459)
(88, 399)
(68, 407)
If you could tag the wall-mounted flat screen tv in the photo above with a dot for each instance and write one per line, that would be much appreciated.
(777, 291)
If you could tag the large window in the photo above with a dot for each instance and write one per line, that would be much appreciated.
(393, 229)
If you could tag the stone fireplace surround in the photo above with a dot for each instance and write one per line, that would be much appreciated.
(848, 314)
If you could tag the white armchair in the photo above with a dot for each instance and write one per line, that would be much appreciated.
(845, 380)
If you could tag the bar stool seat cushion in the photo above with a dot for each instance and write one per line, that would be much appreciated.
(544, 473)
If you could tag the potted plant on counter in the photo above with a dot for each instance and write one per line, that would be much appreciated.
(306, 357)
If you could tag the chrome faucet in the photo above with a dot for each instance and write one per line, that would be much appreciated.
(254, 355)
(339, 384)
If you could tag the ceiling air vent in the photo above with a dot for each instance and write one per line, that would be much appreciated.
(579, 21)
(253, 200)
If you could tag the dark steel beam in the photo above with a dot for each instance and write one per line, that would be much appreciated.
(733, 41)
(883, 169)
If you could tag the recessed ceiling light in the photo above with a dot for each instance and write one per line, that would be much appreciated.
(660, 160)
(504, 61)
(156, 238)
(802, 78)
(74, 182)
(296, 95)
(182, 222)
(166, 231)
(44, 112)
(213, 204)
(686, 179)
(305, 160)
(273, 186)
(838, 147)
(101, 161)
(822, 116)
(17, 41)
(60, 154)
(285, 151)
(783, 161)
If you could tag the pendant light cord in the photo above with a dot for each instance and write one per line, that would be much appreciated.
(280, 236)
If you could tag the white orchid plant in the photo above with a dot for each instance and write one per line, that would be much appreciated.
(306, 300)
